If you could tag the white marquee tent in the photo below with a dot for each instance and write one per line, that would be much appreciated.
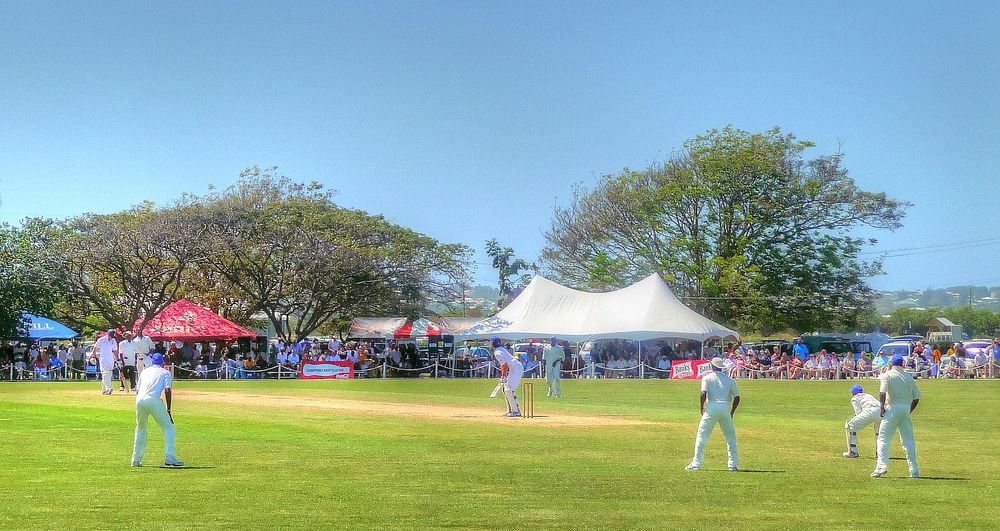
(645, 310)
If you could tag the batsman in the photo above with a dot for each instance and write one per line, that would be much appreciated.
(513, 369)
(553, 355)
(866, 411)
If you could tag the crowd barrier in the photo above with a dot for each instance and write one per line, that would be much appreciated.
(492, 370)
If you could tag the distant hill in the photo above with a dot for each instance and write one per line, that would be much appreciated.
(956, 296)
(485, 292)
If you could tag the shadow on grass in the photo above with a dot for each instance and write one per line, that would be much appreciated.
(929, 478)
(185, 467)
(745, 471)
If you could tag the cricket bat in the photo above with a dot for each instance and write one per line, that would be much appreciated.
(496, 390)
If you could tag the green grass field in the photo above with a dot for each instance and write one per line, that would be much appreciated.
(610, 454)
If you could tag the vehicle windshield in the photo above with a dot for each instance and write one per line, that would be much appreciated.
(892, 350)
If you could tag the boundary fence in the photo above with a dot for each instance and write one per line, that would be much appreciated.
(787, 371)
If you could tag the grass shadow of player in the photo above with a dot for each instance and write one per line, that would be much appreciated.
(932, 478)
(750, 471)
(186, 467)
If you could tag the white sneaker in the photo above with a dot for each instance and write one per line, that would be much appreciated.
(851, 455)
(692, 467)
(734, 469)
(914, 475)
(879, 473)
(174, 463)
(136, 465)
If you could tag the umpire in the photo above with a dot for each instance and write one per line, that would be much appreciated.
(127, 350)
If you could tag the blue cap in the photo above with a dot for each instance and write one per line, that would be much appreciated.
(157, 359)
(897, 360)
(857, 389)
(496, 341)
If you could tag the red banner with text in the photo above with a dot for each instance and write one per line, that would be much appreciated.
(316, 370)
(689, 370)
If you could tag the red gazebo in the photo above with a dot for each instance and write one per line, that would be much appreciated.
(186, 321)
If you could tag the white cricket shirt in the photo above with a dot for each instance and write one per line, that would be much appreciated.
(106, 348)
(152, 381)
(719, 387)
(899, 387)
(863, 401)
(127, 351)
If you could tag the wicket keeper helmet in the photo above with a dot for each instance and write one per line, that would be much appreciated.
(857, 389)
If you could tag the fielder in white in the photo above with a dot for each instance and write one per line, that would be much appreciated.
(553, 355)
(717, 389)
(898, 397)
(513, 369)
(106, 350)
(153, 381)
(866, 411)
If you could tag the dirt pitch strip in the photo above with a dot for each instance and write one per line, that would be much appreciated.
(397, 409)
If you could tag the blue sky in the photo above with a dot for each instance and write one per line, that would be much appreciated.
(432, 112)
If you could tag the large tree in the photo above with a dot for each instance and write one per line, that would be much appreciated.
(28, 279)
(286, 249)
(741, 224)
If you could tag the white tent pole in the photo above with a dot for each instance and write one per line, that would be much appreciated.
(642, 362)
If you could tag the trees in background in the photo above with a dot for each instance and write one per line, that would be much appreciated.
(266, 245)
(28, 282)
(512, 273)
(740, 224)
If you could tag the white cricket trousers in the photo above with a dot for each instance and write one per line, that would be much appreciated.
(106, 382)
(859, 422)
(553, 376)
(716, 412)
(144, 407)
(897, 418)
(513, 380)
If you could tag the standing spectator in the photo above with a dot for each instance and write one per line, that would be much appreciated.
(106, 350)
(76, 355)
(800, 350)
(937, 355)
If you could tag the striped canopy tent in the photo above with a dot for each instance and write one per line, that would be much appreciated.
(418, 328)
(374, 327)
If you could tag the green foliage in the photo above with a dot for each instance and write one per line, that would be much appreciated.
(740, 224)
(510, 270)
(977, 323)
(28, 282)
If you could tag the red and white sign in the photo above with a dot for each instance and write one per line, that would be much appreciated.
(689, 370)
(317, 370)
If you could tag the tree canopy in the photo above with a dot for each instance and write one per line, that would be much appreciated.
(264, 246)
(741, 224)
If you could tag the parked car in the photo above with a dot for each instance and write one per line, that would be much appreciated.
(903, 348)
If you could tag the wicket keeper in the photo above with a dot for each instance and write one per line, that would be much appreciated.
(866, 411)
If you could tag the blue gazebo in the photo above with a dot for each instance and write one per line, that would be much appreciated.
(40, 328)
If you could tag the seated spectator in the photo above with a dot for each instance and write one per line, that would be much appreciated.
(56, 367)
(41, 368)
(663, 367)
(201, 370)
(847, 367)
(823, 365)
(293, 361)
(795, 368)
(765, 364)
(982, 361)
(881, 362)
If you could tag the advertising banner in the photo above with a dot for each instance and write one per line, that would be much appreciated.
(316, 370)
(689, 370)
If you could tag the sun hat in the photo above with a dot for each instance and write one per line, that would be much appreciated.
(157, 359)
(718, 363)
(857, 389)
